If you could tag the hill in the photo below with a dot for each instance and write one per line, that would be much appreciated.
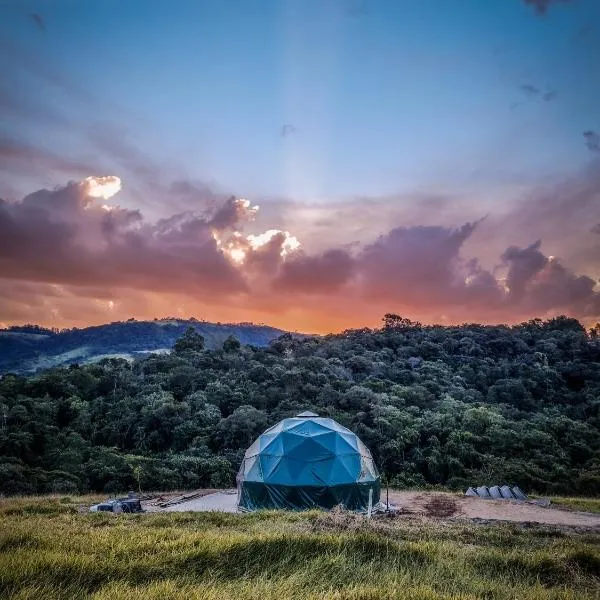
(437, 406)
(30, 348)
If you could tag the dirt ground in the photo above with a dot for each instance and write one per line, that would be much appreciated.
(156, 502)
(443, 505)
(420, 504)
(225, 501)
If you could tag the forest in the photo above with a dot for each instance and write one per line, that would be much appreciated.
(447, 406)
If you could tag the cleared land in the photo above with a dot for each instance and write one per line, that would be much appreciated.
(48, 551)
(450, 505)
(431, 504)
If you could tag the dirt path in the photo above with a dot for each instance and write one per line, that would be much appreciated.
(217, 502)
(449, 505)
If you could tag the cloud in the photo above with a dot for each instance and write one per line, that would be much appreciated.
(22, 157)
(541, 6)
(79, 258)
(415, 263)
(39, 21)
(556, 286)
(231, 213)
(523, 265)
(287, 129)
(64, 236)
(534, 93)
(322, 273)
(530, 90)
(558, 211)
(592, 140)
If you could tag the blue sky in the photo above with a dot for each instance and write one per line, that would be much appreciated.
(406, 94)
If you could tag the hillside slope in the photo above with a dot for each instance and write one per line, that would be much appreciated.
(31, 348)
(452, 406)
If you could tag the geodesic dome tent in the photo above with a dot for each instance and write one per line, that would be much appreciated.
(307, 462)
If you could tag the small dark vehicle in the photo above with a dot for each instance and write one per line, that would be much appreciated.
(130, 505)
(119, 505)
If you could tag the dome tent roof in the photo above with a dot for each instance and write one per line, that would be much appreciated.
(307, 461)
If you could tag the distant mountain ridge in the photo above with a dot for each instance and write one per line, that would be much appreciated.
(30, 348)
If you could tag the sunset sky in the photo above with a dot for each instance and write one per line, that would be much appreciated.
(310, 164)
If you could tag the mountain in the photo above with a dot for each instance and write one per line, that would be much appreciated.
(30, 348)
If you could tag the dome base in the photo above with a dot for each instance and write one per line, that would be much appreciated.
(254, 495)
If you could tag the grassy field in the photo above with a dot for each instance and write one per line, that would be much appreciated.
(49, 551)
(586, 504)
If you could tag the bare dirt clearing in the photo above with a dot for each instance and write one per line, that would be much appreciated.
(420, 504)
(439, 504)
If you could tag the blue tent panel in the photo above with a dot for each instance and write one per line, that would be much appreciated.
(307, 462)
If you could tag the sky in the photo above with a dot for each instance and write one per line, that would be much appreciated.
(310, 164)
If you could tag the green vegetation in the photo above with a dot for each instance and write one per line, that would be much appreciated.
(48, 551)
(586, 504)
(438, 406)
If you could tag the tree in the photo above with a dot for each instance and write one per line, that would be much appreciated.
(231, 344)
(241, 427)
(480, 404)
(396, 322)
(190, 341)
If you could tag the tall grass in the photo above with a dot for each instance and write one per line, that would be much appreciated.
(50, 551)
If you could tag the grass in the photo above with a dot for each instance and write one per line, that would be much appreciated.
(49, 551)
(586, 504)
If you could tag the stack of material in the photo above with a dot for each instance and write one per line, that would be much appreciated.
(497, 493)
(180, 499)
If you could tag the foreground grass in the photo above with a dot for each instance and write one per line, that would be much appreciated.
(49, 551)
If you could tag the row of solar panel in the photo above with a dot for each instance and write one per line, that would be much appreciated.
(499, 493)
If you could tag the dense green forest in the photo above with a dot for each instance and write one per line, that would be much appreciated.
(452, 406)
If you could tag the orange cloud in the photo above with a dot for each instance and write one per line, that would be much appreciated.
(67, 258)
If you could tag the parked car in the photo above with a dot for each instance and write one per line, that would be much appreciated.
(119, 505)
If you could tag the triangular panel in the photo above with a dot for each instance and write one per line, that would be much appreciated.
(306, 462)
